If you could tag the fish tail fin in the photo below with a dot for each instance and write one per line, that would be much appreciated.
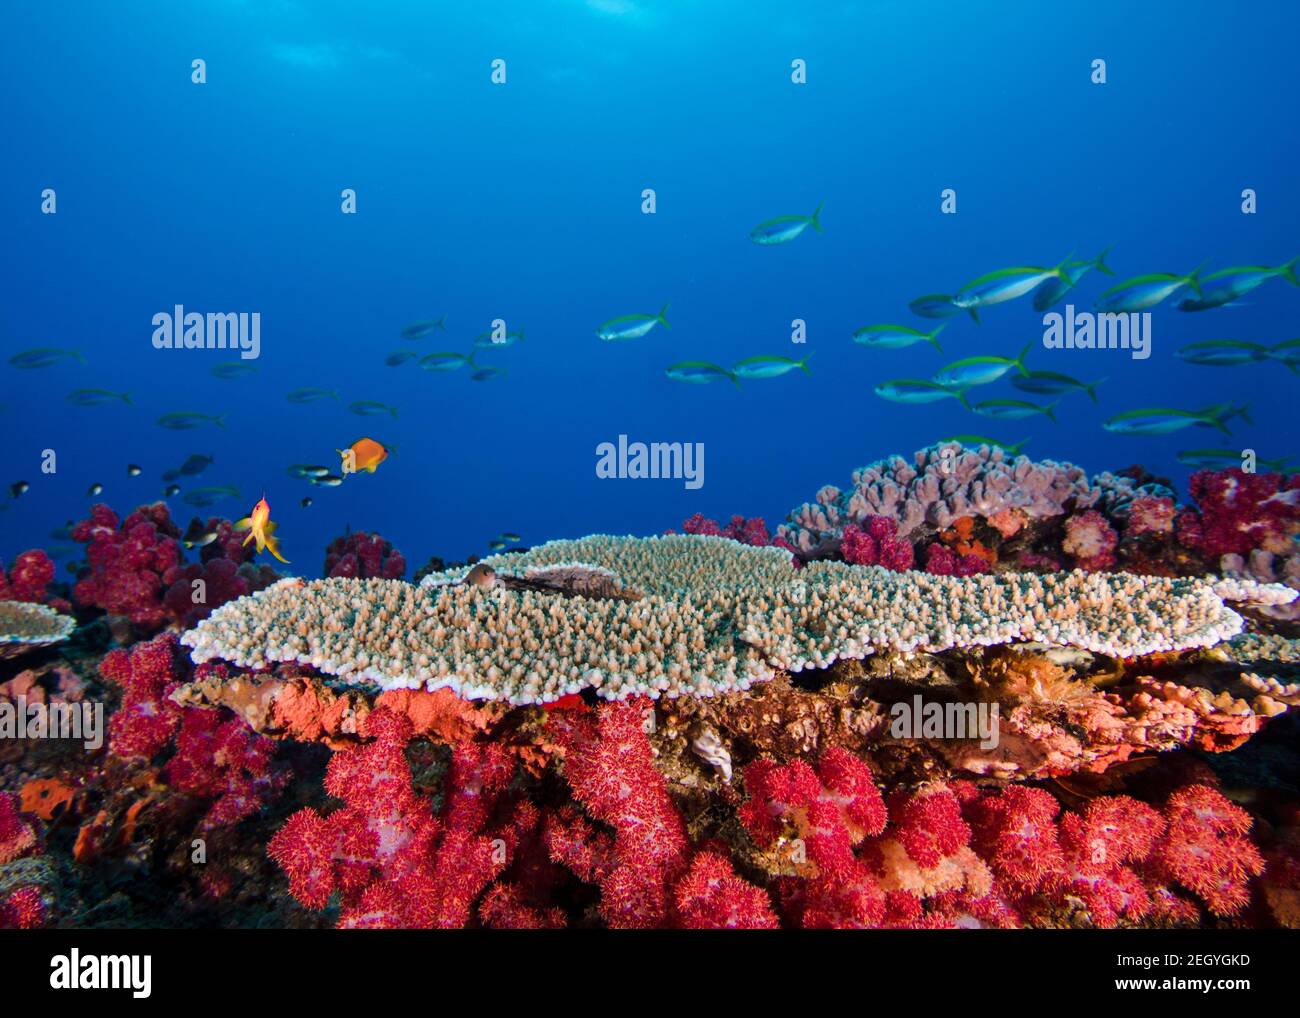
(126, 398)
(1060, 269)
(933, 336)
(662, 317)
(1099, 263)
(1050, 411)
(735, 379)
(1193, 279)
(1018, 447)
(1020, 359)
(961, 397)
(81, 358)
(817, 217)
(219, 420)
(442, 323)
(1288, 271)
(521, 335)
(803, 365)
(333, 394)
(1091, 390)
(469, 361)
(1243, 412)
(974, 313)
(393, 410)
(244, 524)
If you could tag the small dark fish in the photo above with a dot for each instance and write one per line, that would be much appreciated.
(195, 465)
(198, 534)
(18, 488)
(63, 533)
(512, 538)
(97, 397)
(327, 481)
(445, 360)
(95, 490)
(483, 374)
(134, 470)
(306, 502)
(233, 369)
(496, 544)
(307, 470)
(171, 490)
(401, 357)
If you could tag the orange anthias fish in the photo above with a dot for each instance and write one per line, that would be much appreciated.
(364, 454)
(260, 528)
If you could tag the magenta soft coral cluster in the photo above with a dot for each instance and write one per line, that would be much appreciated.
(127, 563)
(875, 542)
(365, 556)
(31, 572)
(215, 756)
(136, 569)
(393, 862)
(1090, 540)
(1237, 512)
(751, 531)
(940, 560)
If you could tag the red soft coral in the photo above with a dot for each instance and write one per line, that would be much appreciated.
(1206, 848)
(31, 572)
(365, 556)
(126, 564)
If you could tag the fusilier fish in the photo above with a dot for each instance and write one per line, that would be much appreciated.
(980, 370)
(189, 421)
(938, 305)
(233, 369)
(896, 337)
(784, 229)
(97, 397)
(398, 358)
(1217, 459)
(1223, 352)
(1165, 420)
(1054, 289)
(1004, 285)
(699, 373)
(626, 327)
(44, 357)
(418, 330)
(1143, 292)
(916, 391)
(1224, 287)
(311, 395)
(486, 374)
(1052, 383)
(210, 495)
(446, 360)
(977, 440)
(1012, 409)
(765, 366)
(485, 340)
(371, 408)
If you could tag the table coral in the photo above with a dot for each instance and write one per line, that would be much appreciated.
(27, 626)
(715, 615)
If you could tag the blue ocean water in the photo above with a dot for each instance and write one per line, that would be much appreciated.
(522, 201)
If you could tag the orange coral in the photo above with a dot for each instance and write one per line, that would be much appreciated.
(441, 715)
(960, 537)
(45, 797)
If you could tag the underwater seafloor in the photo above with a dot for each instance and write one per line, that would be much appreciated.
(725, 728)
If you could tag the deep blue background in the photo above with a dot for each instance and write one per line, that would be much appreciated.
(522, 202)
